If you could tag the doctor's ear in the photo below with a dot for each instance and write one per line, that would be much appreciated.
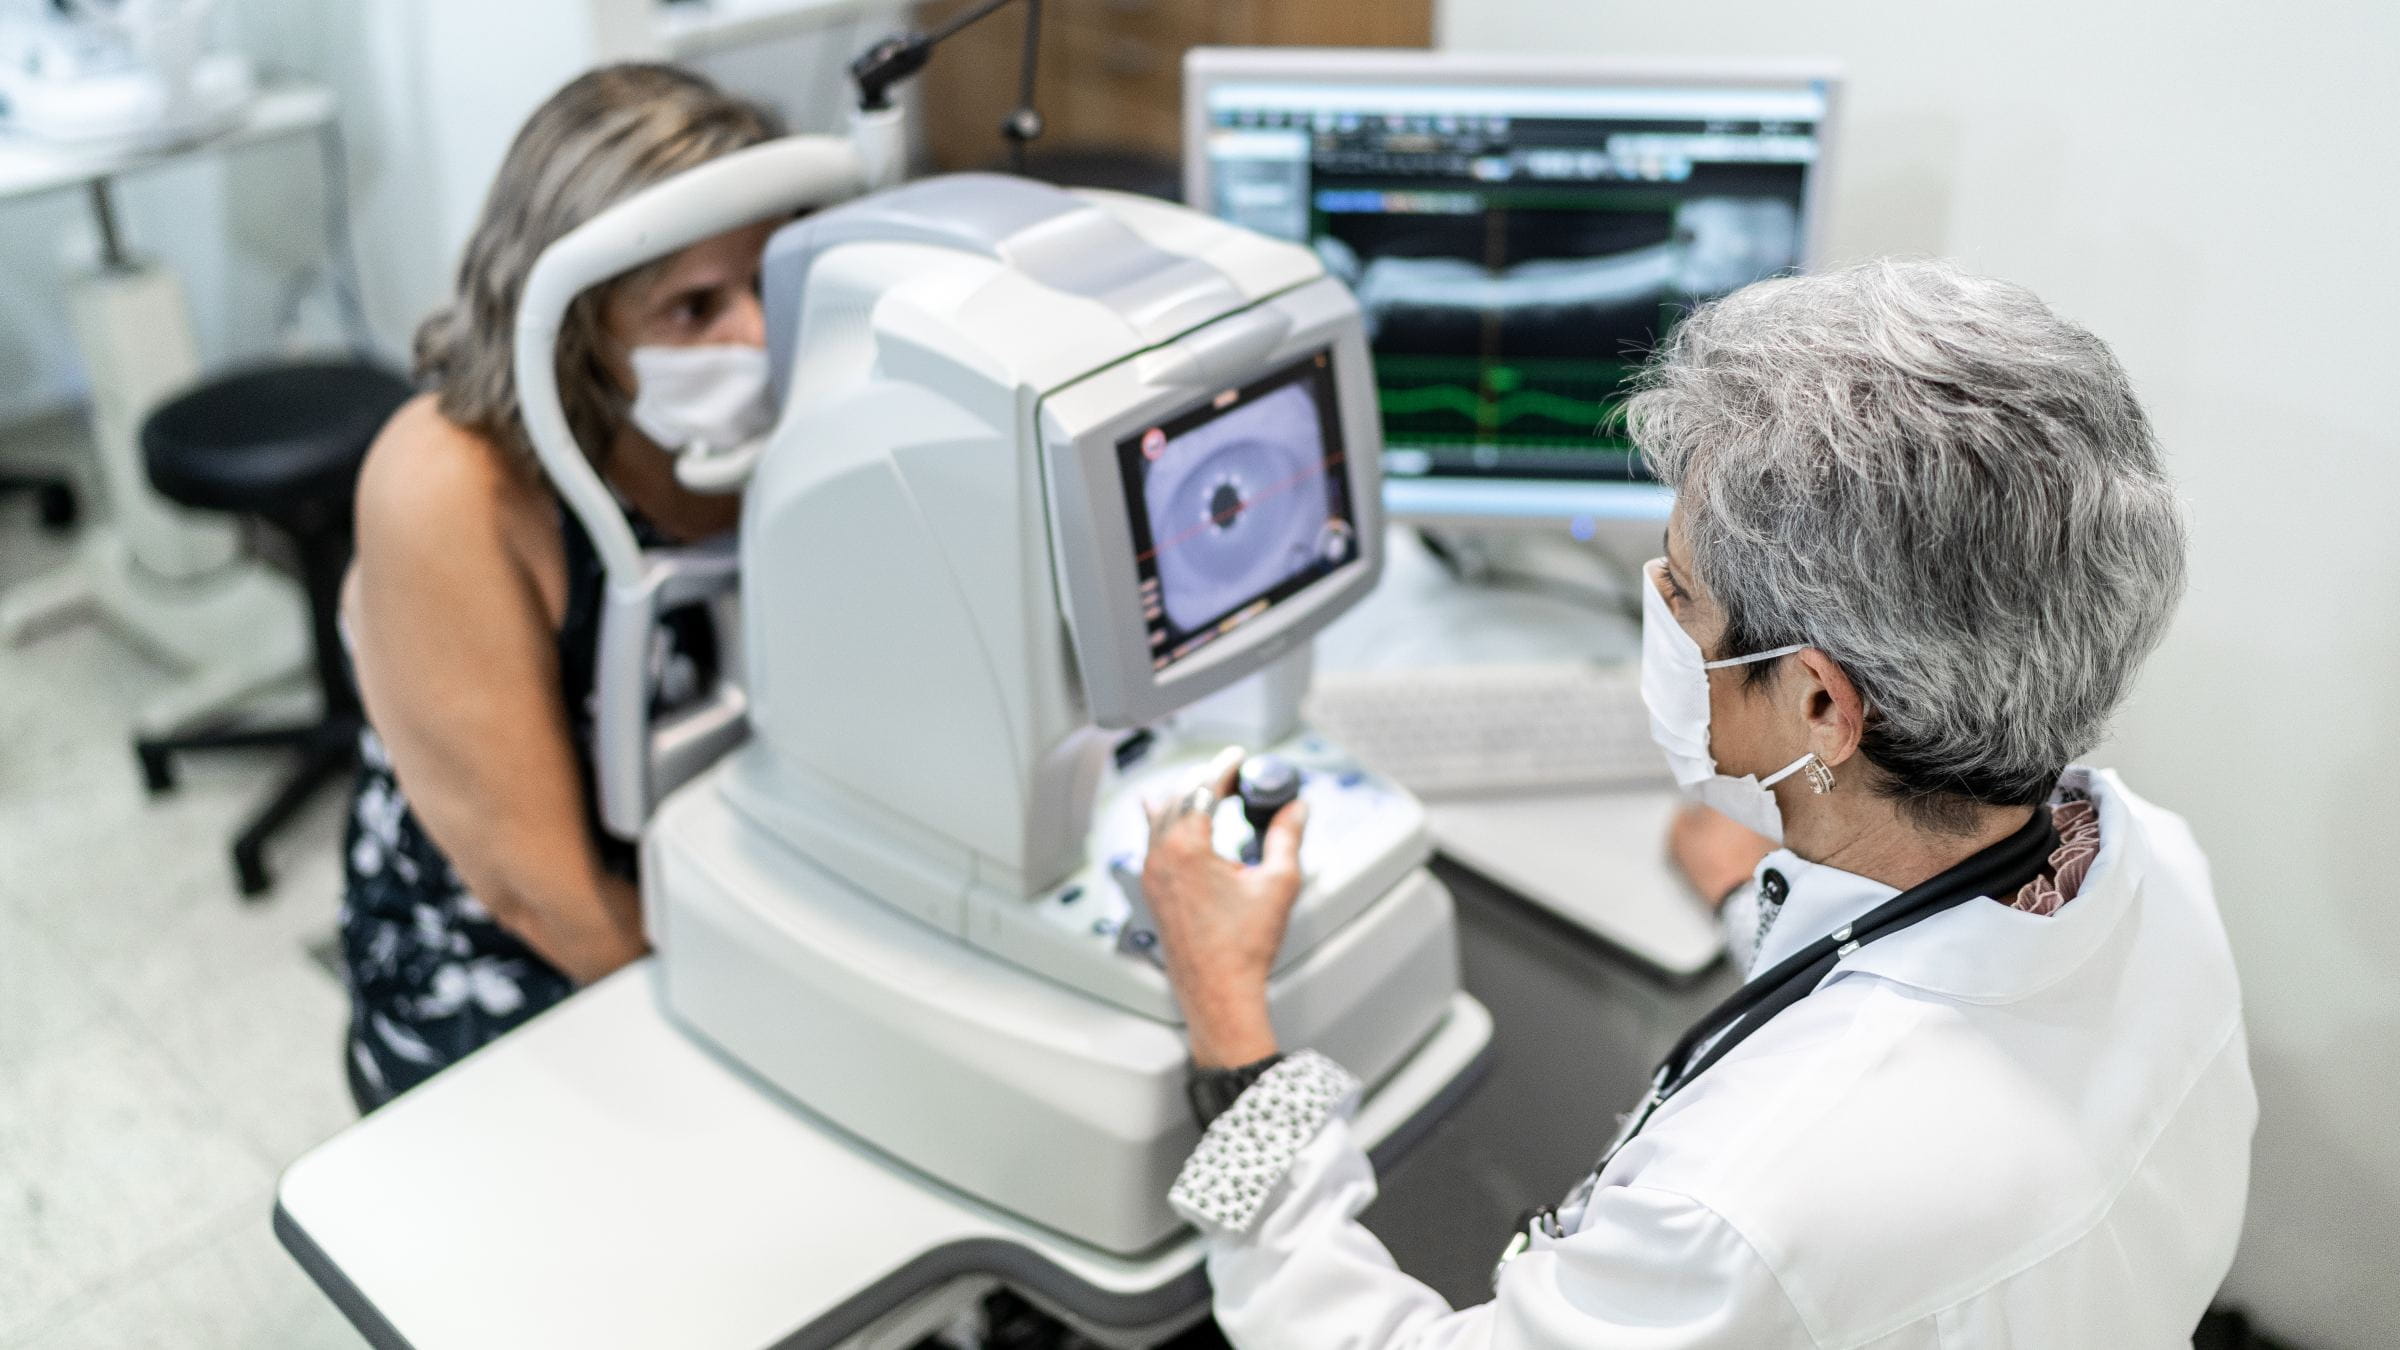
(1836, 713)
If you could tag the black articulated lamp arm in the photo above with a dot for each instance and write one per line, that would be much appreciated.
(887, 63)
(902, 55)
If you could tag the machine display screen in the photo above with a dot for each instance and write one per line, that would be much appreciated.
(1236, 505)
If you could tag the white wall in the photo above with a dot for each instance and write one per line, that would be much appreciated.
(2215, 189)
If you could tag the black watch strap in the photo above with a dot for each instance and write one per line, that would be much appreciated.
(1211, 1091)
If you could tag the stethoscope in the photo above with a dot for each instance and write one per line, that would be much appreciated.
(1998, 869)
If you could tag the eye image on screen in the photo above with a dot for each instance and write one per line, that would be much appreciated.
(1236, 505)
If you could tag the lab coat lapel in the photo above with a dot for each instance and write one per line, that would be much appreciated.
(1820, 900)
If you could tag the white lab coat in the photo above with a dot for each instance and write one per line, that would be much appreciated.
(1992, 1129)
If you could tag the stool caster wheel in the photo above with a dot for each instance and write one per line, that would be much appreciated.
(158, 774)
(251, 870)
(58, 506)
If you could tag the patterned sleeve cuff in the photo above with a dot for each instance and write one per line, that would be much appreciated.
(1244, 1154)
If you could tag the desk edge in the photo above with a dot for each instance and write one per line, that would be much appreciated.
(1013, 1263)
(364, 1317)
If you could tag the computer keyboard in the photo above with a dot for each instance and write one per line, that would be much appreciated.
(1448, 731)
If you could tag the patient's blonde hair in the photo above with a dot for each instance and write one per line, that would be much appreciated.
(608, 134)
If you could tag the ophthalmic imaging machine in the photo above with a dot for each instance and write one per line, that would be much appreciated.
(1050, 468)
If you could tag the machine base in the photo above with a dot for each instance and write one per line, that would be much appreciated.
(1019, 1089)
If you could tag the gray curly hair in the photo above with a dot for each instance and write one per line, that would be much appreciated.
(1943, 485)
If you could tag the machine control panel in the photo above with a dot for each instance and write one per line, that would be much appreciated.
(1359, 827)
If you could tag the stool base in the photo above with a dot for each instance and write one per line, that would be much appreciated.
(327, 750)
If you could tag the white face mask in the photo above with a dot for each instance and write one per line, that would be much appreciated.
(1675, 685)
(710, 399)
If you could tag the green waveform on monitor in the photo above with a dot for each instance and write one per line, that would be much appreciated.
(1496, 412)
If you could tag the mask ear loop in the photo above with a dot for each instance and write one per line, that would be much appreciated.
(1820, 777)
(1788, 770)
(1754, 656)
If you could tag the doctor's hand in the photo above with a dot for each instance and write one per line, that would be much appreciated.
(1220, 923)
(1715, 853)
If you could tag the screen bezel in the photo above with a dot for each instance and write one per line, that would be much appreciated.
(1092, 549)
(1313, 371)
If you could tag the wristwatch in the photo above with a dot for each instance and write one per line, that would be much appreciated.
(1211, 1091)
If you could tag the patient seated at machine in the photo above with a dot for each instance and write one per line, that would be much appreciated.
(476, 891)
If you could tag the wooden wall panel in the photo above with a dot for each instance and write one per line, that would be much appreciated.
(1110, 77)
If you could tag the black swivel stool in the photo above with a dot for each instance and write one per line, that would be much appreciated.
(283, 444)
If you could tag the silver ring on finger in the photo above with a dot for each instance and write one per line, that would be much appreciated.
(1200, 801)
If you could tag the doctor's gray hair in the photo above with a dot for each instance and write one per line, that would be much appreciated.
(604, 136)
(1945, 487)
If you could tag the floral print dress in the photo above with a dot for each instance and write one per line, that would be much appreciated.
(432, 977)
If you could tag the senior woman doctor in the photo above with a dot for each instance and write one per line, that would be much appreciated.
(1986, 1084)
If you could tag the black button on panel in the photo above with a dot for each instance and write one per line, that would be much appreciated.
(1133, 749)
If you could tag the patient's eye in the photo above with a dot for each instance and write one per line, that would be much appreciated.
(695, 309)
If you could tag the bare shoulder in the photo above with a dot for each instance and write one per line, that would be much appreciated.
(427, 479)
(449, 518)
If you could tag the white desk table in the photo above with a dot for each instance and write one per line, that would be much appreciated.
(597, 1179)
(28, 166)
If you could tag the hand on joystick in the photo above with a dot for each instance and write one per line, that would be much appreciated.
(1220, 923)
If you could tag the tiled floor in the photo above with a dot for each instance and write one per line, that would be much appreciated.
(165, 1048)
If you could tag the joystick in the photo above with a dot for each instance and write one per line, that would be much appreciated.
(1268, 783)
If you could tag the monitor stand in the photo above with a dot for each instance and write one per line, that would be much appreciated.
(1596, 860)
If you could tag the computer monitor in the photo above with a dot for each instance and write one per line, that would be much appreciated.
(1520, 233)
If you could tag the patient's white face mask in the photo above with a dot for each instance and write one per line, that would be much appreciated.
(710, 398)
(1675, 685)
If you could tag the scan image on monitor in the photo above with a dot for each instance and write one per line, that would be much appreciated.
(1519, 244)
(1525, 345)
(1236, 505)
